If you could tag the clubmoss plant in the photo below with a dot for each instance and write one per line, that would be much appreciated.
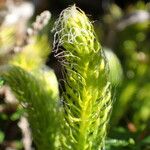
(35, 85)
(86, 92)
(36, 94)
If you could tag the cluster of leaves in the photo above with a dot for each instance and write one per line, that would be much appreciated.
(34, 85)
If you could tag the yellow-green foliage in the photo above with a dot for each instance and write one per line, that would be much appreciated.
(36, 94)
(34, 55)
(87, 97)
(34, 85)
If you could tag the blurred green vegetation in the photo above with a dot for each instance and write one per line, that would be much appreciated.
(131, 43)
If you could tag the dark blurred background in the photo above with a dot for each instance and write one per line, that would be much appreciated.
(95, 8)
